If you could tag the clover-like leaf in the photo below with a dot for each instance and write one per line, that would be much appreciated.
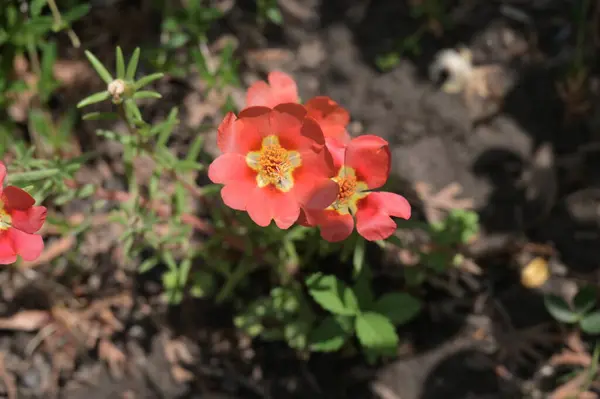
(376, 333)
(585, 300)
(399, 307)
(590, 324)
(332, 294)
(331, 334)
(560, 309)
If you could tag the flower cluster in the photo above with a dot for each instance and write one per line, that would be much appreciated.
(20, 219)
(295, 163)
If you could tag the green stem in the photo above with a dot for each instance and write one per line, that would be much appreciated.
(34, 58)
(244, 268)
(58, 22)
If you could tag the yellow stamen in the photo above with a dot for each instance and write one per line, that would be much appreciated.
(350, 191)
(274, 164)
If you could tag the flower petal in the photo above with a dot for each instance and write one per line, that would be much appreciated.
(280, 89)
(373, 218)
(265, 204)
(370, 157)
(332, 118)
(15, 198)
(284, 87)
(243, 134)
(230, 167)
(2, 176)
(259, 93)
(27, 246)
(235, 194)
(7, 251)
(337, 149)
(334, 226)
(317, 194)
(29, 221)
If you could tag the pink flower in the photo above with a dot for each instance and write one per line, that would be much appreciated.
(274, 164)
(363, 165)
(19, 220)
(281, 88)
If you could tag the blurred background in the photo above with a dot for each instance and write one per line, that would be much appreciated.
(150, 288)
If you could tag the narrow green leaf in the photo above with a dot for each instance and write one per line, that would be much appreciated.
(332, 294)
(132, 66)
(39, 123)
(93, 99)
(194, 150)
(330, 335)
(120, 63)
(139, 95)
(76, 13)
(398, 307)
(100, 116)
(102, 71)
(560, 309)
(376, 333)
(133, 109)
(146, 80)
(590, 324)
(585, 299)
(148, 265)
(24, 177)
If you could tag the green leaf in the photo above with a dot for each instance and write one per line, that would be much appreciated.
(100, 69)
(330, 335)
(120, 64)
(93, 99)
(585, 300)
(274, 16)
(333, 295)
(560, 309)
(36, 6)
(377, 333)
(39, 122)
(590, 324)
(146, 80)
(76, 12)
(34, 175)
(398, 307)
(132, 66)
(104, 116)
(139, 95)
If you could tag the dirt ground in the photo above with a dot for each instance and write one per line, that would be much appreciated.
(530, 172)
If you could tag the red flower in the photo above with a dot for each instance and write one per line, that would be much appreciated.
(363, 165)
(19, 220)
(274, 163)
(281, 89)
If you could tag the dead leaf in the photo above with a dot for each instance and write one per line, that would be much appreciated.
(113, 356)
(26, 320)
(447, 198)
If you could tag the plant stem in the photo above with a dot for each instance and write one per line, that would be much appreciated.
(244, 268)
(58, 22)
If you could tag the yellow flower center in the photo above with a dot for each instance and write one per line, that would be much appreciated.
(347, 188)
(351, 190)
(274, 164)
(5, 219)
